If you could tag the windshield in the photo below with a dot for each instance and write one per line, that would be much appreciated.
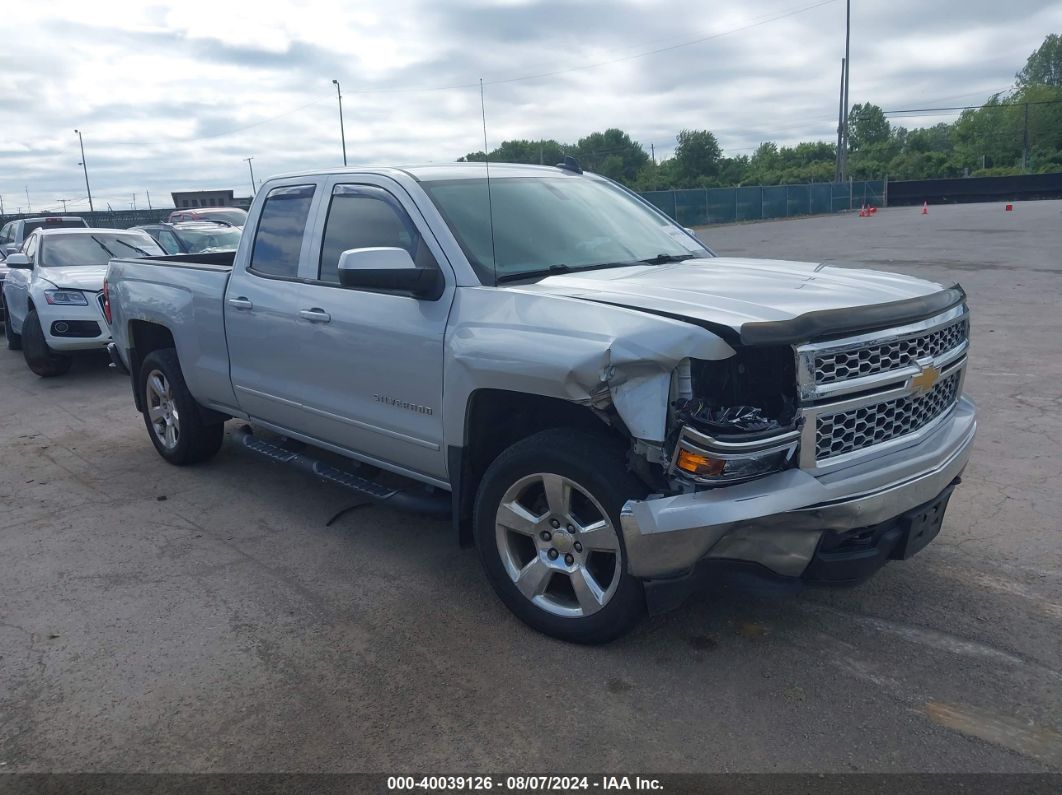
(60, 251)
(561, 222)
(197, 241)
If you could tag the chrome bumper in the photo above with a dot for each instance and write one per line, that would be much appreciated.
(777, 521)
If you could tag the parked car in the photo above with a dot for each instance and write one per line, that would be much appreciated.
(14, 233)
(611, 413)
(53, 293)
(194, 237)
(230, 215)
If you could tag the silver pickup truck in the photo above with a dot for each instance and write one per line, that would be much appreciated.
(613, 415)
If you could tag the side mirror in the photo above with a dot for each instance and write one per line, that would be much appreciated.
(386, 268)
(18, 260)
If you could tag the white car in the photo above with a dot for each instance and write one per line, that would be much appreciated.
(54, 292)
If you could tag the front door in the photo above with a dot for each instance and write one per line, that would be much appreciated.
(372, 361)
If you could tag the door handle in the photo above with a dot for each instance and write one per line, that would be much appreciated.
(241, 303)
(315, 315)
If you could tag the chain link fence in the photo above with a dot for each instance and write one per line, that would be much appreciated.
(702, 206)
(102, 219)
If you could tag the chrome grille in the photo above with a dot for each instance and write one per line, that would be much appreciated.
(880, 390)
(859, 428)
(831, 366)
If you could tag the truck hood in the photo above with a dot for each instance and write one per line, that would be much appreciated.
(757, 301)
(76, 277)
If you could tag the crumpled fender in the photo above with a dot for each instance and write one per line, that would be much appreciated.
(567, 348)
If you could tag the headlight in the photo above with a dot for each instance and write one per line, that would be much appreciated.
(710, 461)
(65, 297)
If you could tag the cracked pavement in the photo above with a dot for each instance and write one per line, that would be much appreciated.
(206, 619)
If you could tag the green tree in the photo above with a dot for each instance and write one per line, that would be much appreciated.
(867, 125)
(612, 153)
(698, 157)
(1044, 66)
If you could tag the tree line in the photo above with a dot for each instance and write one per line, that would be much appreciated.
(1018, 131)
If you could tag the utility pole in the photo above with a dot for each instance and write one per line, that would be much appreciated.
(30, 206)
(132, 205)
(847, 80)
(652, 150)
(249, 159)
(1025, 142)
(342, 133)
(83, 164)
(838, 173)
(148, 197)
(63, 202)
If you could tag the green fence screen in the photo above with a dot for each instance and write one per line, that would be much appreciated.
(701, 206)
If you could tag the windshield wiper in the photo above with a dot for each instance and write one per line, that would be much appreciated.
(660, 259)
(552, 270)
(100, 244)
(130, 245)
(536, 274)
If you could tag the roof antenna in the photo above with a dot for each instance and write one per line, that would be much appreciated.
(490, 202)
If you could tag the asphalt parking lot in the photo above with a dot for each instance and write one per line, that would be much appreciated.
(207, 619)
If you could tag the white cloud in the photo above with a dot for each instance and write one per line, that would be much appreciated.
(176, 94)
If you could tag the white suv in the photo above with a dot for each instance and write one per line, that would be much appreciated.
(53, 292)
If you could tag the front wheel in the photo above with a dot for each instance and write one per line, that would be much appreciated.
(172, 415)
(39, 357)
(547, 529)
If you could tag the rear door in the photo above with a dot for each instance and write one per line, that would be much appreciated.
(371, 367)
(262, 302)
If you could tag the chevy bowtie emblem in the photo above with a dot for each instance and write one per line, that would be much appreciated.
(925, 380)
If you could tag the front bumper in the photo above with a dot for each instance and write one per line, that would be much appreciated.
(86, 327)
(777, 522)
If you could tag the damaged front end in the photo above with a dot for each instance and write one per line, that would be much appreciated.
(732, 420)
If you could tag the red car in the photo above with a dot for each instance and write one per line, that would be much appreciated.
(230, 215)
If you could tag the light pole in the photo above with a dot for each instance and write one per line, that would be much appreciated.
(249, 159)
(88, 190)
(342, 134)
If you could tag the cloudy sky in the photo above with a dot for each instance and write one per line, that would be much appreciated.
(176, 95)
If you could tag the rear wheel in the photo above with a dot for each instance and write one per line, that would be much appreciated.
(548, 532)
(39, 357)
(14, 341)
(172, 415)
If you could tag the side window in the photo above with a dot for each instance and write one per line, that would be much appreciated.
(5, 234)
(360, 216)
(30, 249)
(281, 227)
(168, 241)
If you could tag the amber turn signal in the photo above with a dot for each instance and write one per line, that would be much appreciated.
(697, 464)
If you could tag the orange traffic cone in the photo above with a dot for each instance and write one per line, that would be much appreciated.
(863, 212)
(873, 209)
(925, 208)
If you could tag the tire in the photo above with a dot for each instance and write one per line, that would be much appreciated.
(39, 357)
(171, 415)
(580, 591)
(14, 341)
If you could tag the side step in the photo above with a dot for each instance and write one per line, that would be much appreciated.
(436, 504)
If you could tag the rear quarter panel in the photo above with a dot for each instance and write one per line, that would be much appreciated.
(188, 300)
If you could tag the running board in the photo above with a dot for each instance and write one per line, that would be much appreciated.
(435, 504)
